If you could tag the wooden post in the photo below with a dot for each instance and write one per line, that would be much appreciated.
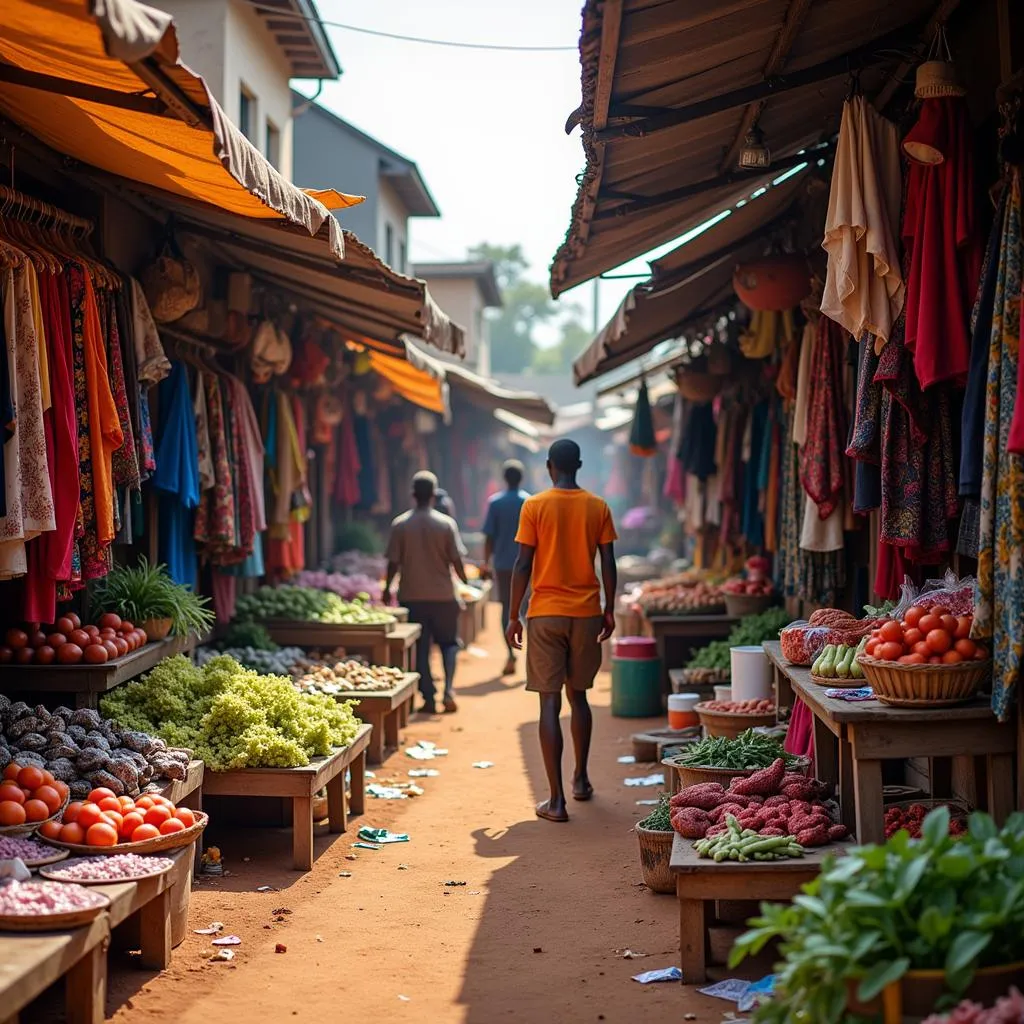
(302, 832)
(336, 811)
(155, 930)
(86, 987)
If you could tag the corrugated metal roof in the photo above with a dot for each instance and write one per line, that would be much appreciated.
(645, 60)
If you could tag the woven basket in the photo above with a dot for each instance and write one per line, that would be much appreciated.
(935, 79)
(738, 605)
(174, 841)
(29, 828)
(655, 854)
(924, 686)
(698, 387)
(730, 723)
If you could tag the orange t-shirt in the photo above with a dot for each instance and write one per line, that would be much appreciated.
(565, 528)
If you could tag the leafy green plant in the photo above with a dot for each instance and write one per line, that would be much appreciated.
(358, 537)
(659, 820)
(145, 591)
(248, 634)
(750, 631)
(936, 903)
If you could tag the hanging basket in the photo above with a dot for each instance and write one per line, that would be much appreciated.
(936, 79)
(774, 283)
(698, 387)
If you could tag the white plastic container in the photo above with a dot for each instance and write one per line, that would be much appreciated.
(751, 674)
(723, 693)
(680, 710)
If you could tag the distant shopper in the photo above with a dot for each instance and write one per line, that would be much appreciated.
(560, 533)
(443, 503)
(424, 548)
(500, 548)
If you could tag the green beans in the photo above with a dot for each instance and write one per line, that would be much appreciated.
(749, 750)
(745, 845)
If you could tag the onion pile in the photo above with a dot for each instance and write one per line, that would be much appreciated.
(33, 899)
(122, 867)
(24, 849)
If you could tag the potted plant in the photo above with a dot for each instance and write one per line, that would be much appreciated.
(907, 927)
(145, 594)
(655, 835)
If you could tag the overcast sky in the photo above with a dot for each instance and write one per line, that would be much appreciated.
(485, 128)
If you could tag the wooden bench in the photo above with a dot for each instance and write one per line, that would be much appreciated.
(700, 883)
(851, 740)
(387, 712)
(30, 963)
(300, 785)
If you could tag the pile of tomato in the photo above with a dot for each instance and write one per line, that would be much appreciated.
(106, 820)
(29, 794)
(926, 636)
(69, 642)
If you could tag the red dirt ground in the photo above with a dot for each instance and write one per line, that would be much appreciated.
(531, 937)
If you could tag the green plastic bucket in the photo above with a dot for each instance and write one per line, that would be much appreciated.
(636, 687)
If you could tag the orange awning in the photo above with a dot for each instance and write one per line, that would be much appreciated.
(413, 384)
(101, 81)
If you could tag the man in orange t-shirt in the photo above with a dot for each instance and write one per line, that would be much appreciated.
(560, 533)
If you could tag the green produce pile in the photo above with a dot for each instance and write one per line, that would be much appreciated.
(839, 661)
(659, 819)
(743, 844)
(750, 631)
(749, 750)
(305, 604)
(231, 716)
(248, 634)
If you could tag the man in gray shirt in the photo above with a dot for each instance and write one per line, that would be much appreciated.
(423, 549)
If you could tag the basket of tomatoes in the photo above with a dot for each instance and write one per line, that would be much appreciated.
(30, 797)
(926, 659)
(108, 824)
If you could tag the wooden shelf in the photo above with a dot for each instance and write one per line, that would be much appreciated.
(387, 711)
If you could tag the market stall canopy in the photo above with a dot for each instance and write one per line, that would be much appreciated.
(413, 383)
(480, 391)
(671, 89)
(693, 280)
(101, 81)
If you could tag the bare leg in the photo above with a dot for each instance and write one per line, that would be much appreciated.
(582, 727)
(551, 745)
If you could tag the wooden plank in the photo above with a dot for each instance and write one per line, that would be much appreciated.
(357, 787)
(155, 931)
(86, 989)
(336, 811)
(870, 807)
(693, 939)
(31, 963)
(302, 833)
(1000, 786)
(943, 738)
(382, 700)
(685, 862)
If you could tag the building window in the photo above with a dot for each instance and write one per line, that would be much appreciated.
(401, 256)
(273, 148)
(246, 112)
(389, 245)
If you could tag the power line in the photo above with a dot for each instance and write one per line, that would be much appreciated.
(278, 13)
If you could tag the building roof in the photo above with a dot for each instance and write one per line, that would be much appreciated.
(300, 33)
(397, 170)
(481, 271)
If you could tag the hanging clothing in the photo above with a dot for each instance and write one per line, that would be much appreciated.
(700, 437)
(153, 364)
(206, 474)
(942, 241)
(863, 444)
(177, 477)
(802, 402)
(215, 519)
(367, 465)
(999, 608)
(346, 480)
(864, 288)
(125, 459)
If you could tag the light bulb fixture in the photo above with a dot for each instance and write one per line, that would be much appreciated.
(754, 152)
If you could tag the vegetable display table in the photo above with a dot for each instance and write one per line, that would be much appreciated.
(384, 711)
(87, 683)
(187, 792)
(32, 962)
(397, 649)
(851, 740)
(678, 636)
(700, 882)
(300, 785)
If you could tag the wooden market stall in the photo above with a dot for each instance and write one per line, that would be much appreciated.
(386, 712)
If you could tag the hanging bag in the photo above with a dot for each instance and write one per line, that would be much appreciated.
(171, 283)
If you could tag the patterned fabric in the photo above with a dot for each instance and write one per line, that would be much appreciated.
(1000, 605)
(125, 460)
(215, 520)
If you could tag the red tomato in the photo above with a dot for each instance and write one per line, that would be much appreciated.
(37, 638)
(928, 623)
(99, 794)
(185, 816)
(981, 653)
(46, 654)
(952, 658)
(71, 811)
(93, 631)
(31, 777)
(171, 825)
(50, 829)
(111, 649)
(17, 638)
(940, 610)
(890, 651)
(144, 832)
(912, 659)
(939, 641)
(50, 797)
(69, 654)
(913, 616)
(157, 815)
(132, 820)
(912, 636)
(110, 621)
(935, 659)
(109, 803)
(891, 632)
(921, 647)
(121, 644)
(95, 654)
(11, 813)
(966, 648)
(101, 834)
(78, 636)
(12, 791)
(36, 810)
(64, 625)
(76, 622)
(872, 647)
(963, 626)
(88, 814)
(72, 832)
(950, 624)
(24, 655)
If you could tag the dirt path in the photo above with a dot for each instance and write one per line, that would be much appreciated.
(531, 937)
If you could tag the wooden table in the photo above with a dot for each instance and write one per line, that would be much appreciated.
(700, 882)
(677, 636)
(851, 740)
(187, 792)
(300, 785)
(370, 640)
(87, 683)
(383, 710)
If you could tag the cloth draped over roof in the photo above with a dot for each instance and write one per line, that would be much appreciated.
(664, 112)
(101, 81)
(691, 281)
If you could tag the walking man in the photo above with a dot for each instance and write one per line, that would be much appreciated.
(500, 529)
(560, 533)
(424, 548)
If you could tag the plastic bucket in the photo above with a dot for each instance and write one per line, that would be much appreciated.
(680, 710)
(636, 687)
(723, 693)
(751, 673)
(641, 647)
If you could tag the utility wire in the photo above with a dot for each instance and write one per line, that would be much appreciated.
(278, 13)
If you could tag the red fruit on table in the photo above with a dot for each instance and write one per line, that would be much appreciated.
(912, 659)
(111, 650)
(963, 627)
(121, 644)
(75, 620)
(110, 621)
(24, 655)
(56, 640)
(891, 632)
(952, 658)
(95, 654)
(69, 654)
(126, 627)
(46, 654)
(913, 616)
(940, 610)
(79, 636)
(6, 655)
(950, 623)
(93, 631)
(890, 651)
(17, 638)
(939, 641)
(912, 636)
(37, 638)
(928, 623)
(64, 625)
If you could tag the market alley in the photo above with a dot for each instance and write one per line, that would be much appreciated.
(535, 934)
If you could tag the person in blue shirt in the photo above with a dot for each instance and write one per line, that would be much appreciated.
(500, 547)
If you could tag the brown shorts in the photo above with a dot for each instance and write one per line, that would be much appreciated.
(562, 651)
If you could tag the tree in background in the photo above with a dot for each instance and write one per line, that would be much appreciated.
(526, 305)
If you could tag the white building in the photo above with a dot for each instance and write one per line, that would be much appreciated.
(248, 51)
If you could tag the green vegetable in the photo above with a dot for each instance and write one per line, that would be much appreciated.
(953, 904)
(358, 537)
(248, 634)
(828, 665)
(750, 631)
(146, 592)
(746, 845)
(659, 819)
(307, 604)
(749, 750)
(880, 612)
(856, 671)
(819, 660)
(845, 661)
